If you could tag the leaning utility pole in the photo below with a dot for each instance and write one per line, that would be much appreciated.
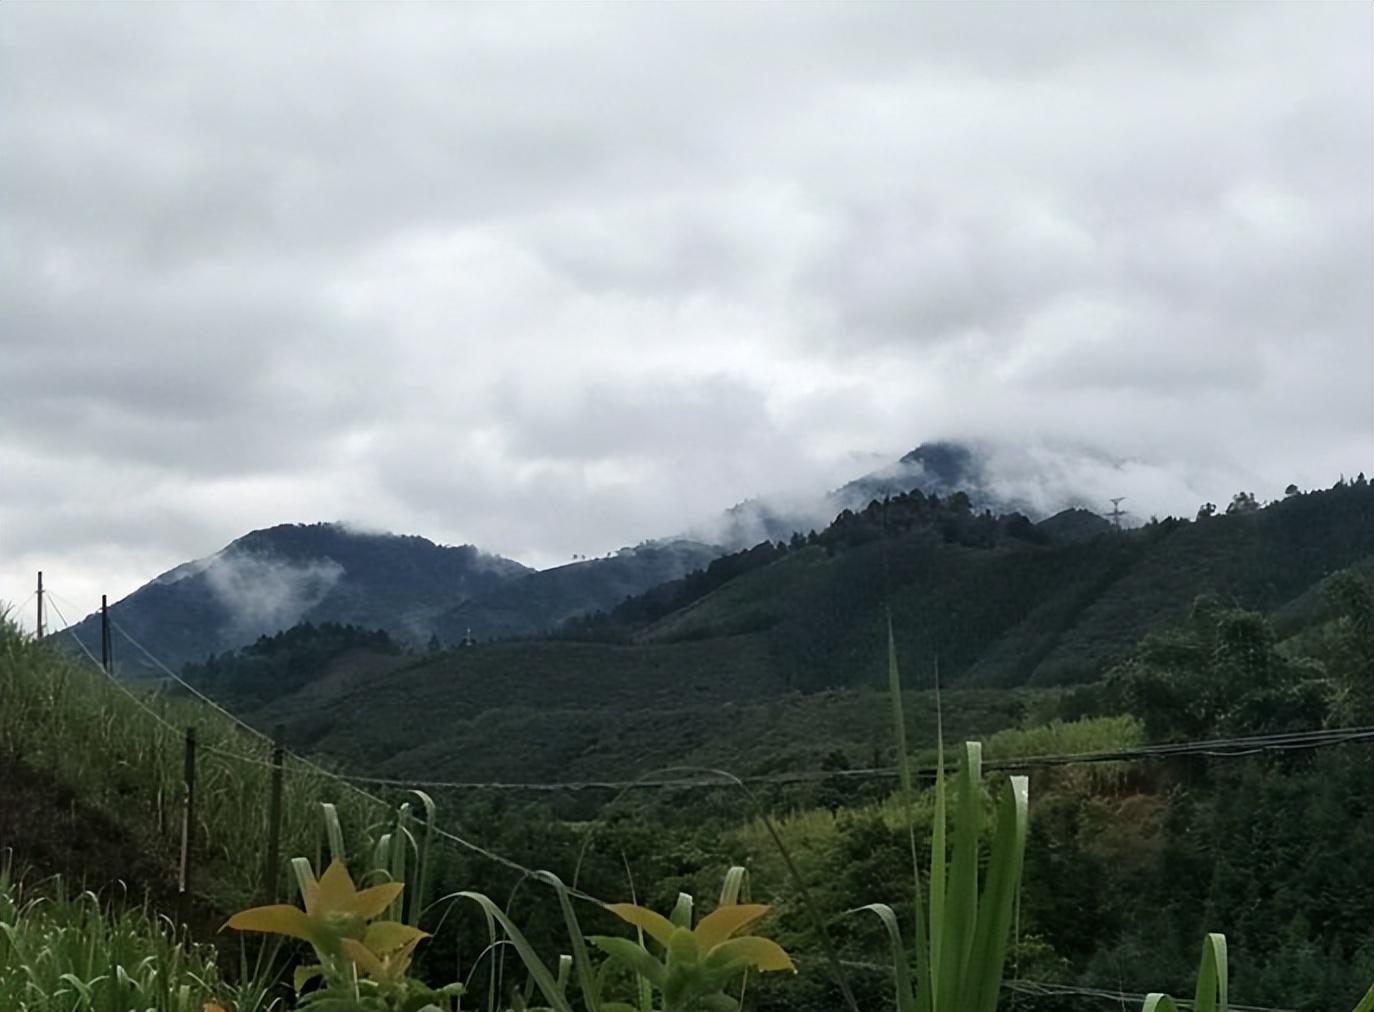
(1117, 512)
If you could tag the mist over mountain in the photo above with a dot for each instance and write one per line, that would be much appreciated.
(272, 579)
(422, 593)
(776, 638)
(1037, 481)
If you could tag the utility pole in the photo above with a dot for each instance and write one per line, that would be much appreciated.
(106, 654)
(188, 825)
(272, 873)
(41, 609)
(1117, 512)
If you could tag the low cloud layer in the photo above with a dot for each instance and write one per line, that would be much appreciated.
(552, 280)
(263, 594)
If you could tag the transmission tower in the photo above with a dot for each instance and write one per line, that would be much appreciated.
(1117, 512)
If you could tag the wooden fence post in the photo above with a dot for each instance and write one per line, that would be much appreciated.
(188, 822)
(273, 871)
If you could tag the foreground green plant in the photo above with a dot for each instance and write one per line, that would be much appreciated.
(362, 961)
(699, 963)
(961, 939)
(1213, 984)
(69, 953)
(119, 747)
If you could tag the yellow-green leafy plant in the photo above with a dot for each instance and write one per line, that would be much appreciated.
(361, 960)
(699, 962)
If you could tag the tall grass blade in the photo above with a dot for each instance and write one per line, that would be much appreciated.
(1366, 1004)
(546, 982)
(305, 876)
(1212, 984)
(938, 859)
(989, 951)
(333, 831)
(586, 973)
(731, 888)
(894, 686)
(906, 999)
(682, 911)
(419, 890)
(955, 928)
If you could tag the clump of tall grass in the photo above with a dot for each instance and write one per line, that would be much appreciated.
(60, 950)
(960, 939)
(62, 714)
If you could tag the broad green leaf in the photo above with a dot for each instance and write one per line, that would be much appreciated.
(633, 956)
(717, 1003)
(305, 974)
(388, 936)
(750, 951)
(277, 919)
(723, 922)
(654, 924)
(364, 958)
(334, 891)
(369, 903)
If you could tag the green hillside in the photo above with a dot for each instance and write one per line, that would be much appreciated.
(998, 601)
(1127, 863)
(774, 657)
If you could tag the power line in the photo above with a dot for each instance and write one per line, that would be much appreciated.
(1031, 987)
(1213, 748)
(70, 631)
(1046, 989)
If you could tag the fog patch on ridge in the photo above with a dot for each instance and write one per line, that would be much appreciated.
(263, 594)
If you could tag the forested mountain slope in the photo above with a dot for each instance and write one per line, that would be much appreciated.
(999, 601)
(786, 645)
(272, 579)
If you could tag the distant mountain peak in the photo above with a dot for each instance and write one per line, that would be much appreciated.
(274, 577)
(948, 462)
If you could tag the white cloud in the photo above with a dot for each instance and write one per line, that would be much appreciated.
(554, 280)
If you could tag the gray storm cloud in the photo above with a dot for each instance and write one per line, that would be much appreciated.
(555, 280)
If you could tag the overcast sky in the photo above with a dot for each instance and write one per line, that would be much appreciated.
(555, 279)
